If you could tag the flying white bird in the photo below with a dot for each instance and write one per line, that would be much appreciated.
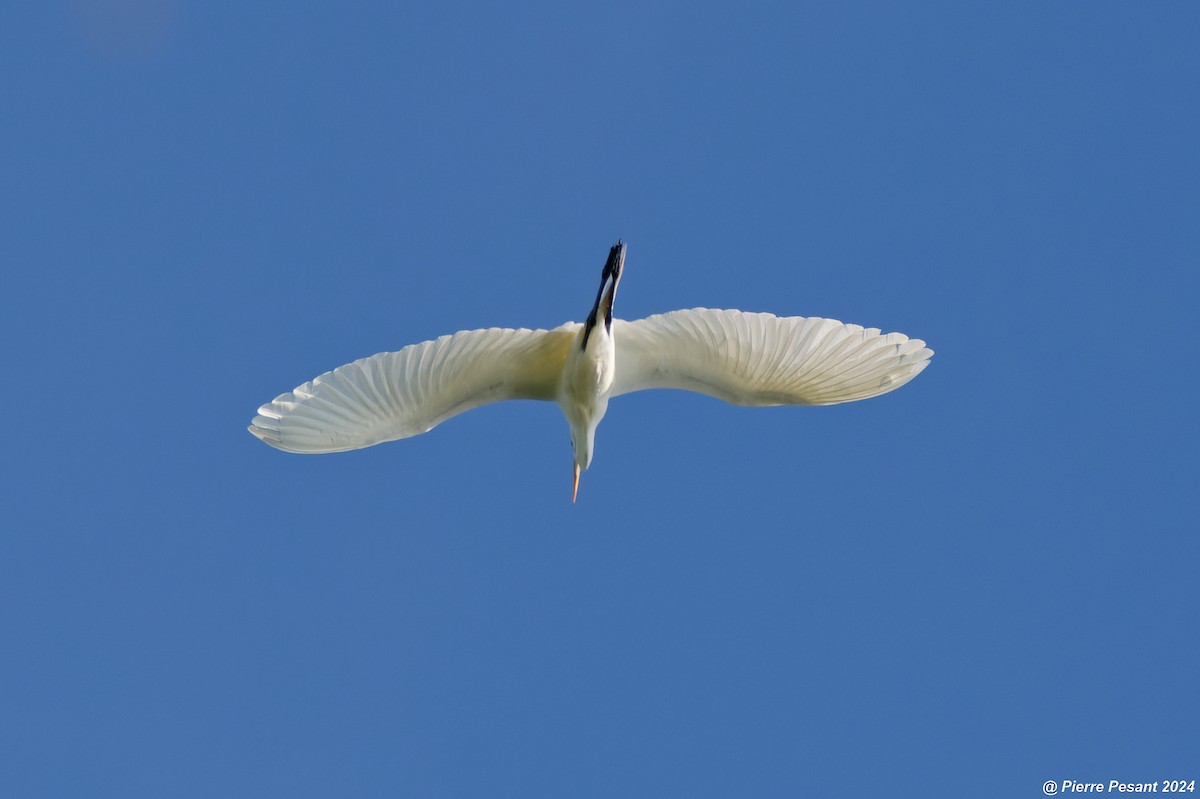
(742, 358)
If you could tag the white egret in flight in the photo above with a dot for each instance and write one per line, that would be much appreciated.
(742, 358)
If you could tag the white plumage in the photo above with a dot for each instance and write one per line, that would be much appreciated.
(396, 395)
(763, 359)
(742, 358)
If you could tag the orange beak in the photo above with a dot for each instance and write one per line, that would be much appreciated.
(575, 488)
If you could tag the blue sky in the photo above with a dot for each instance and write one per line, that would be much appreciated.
(981, 582)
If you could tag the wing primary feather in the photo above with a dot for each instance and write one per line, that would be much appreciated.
(399, 394)
(761, 359)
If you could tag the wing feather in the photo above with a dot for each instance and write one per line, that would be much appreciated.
(762, 359)
(399, 394)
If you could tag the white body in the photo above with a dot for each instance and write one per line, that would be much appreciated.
(583, 390)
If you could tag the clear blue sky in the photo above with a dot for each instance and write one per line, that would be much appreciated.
(983, 581)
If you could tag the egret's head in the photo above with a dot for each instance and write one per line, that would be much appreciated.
(582, 441)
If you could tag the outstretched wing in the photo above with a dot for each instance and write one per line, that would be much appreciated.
(762, 359)
(400, 394)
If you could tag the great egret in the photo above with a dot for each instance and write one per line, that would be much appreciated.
(742, 358)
